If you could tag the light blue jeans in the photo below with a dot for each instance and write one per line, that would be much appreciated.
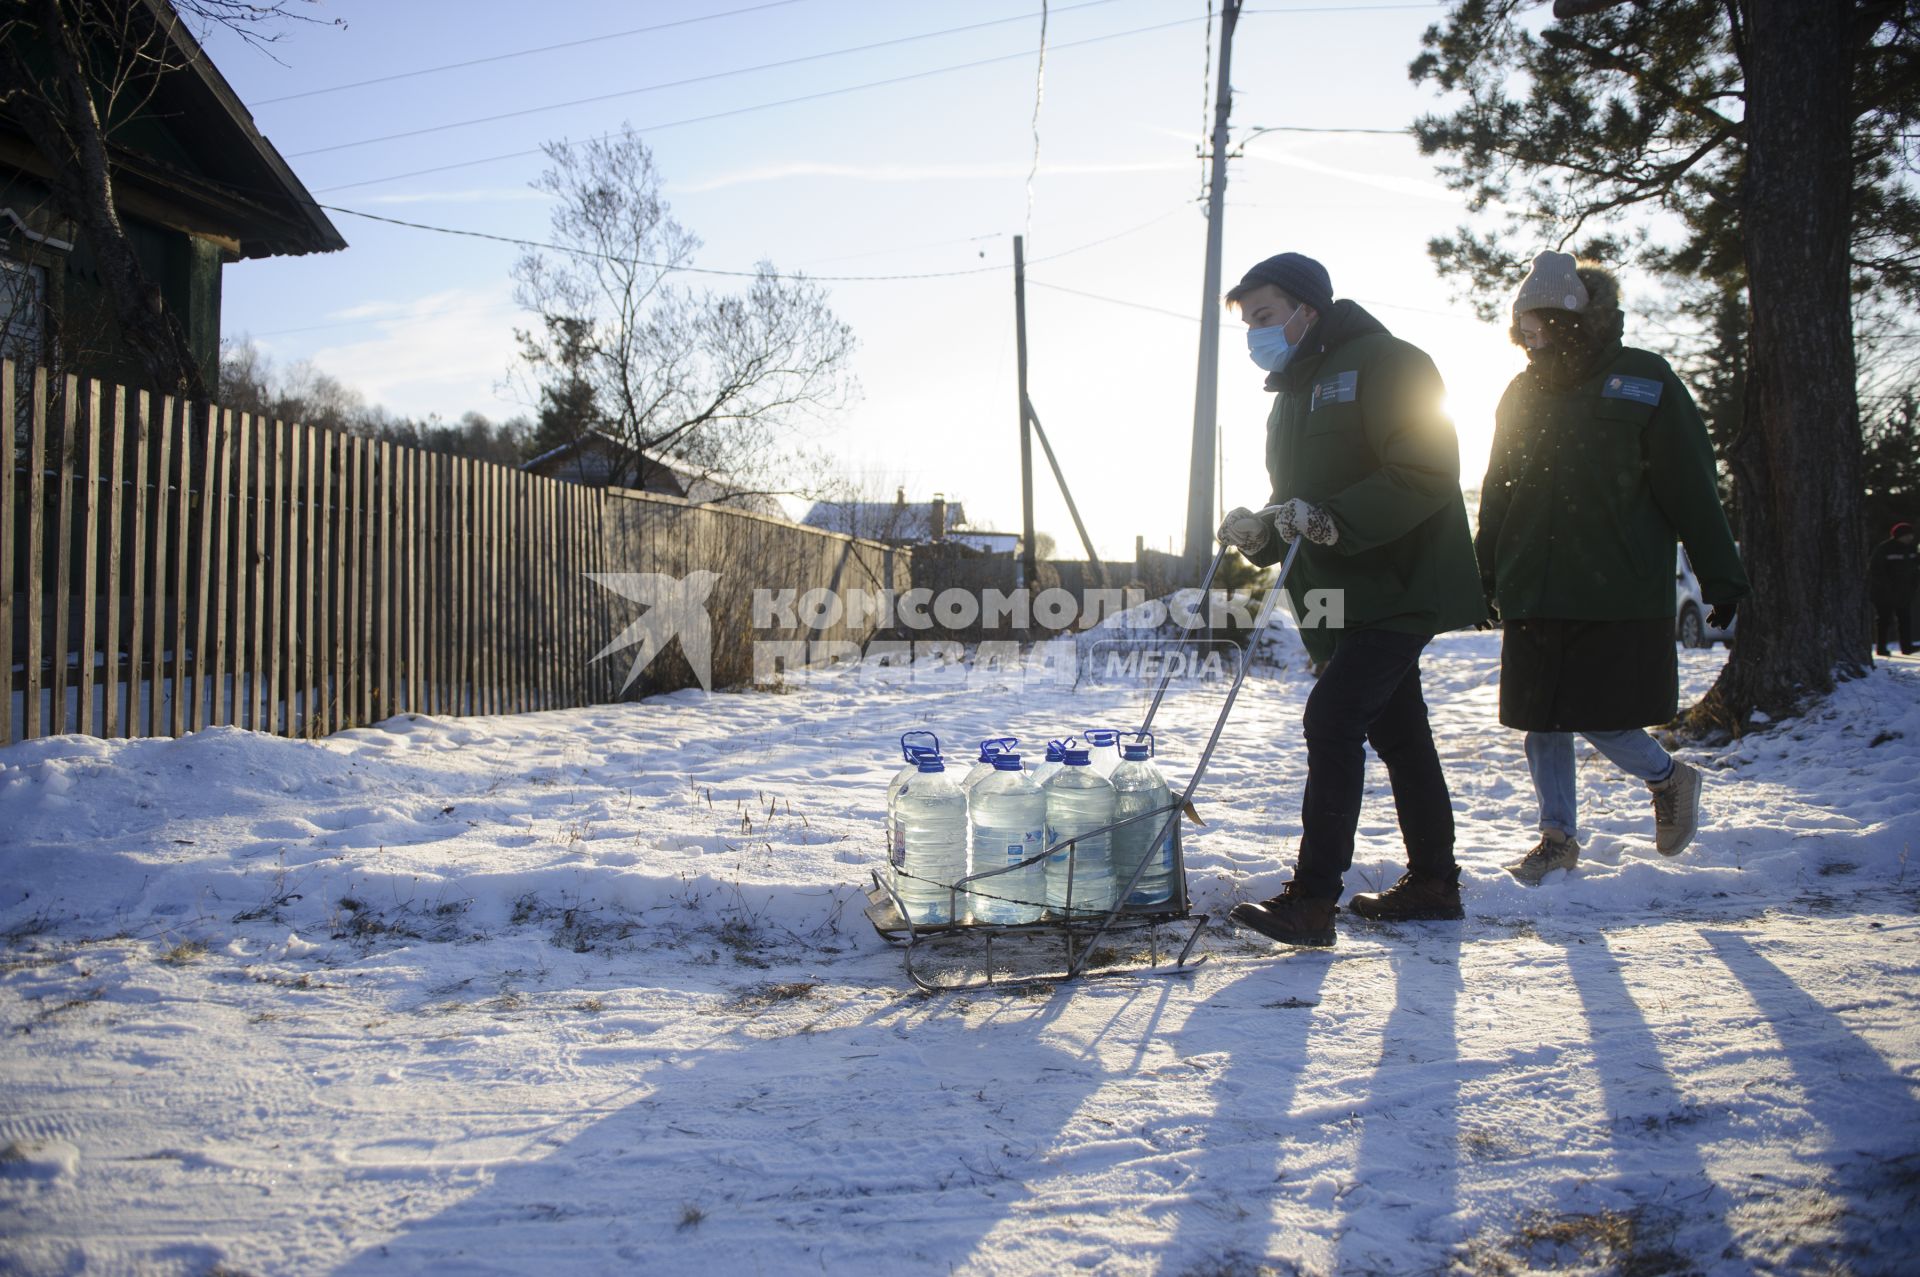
(1550, 759)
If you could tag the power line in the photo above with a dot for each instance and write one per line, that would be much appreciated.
(764, 106)
(743, 274)
(677, 84)
(1114, 301)
(520, 53)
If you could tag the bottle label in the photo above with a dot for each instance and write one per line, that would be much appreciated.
(897, 852)
(1028, 847)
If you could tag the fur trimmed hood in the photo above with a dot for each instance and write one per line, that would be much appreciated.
(1602, 323)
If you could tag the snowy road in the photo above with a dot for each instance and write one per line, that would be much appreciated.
(588, 991)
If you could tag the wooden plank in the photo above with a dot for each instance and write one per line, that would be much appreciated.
(482, 564)
(240, 441)
(63, 557)
(496, 585)
(308, 639)
(260, 692)
(290, 636)
(383, 581)
(36, 546)
(220, 440)
(274, 493)
(406, 540)
(467, 618)
(89, 555)
(323, 587)
(202, 600)
(545, 650)
(12, 547)
(418, 523)
(369, 565)
(512, 542)
(455, 670)
(342, 537)
(435, 582)
(115, 493)
(571, 598)
(161, 434)
(139, 605)
(181, 424)
(348, 606)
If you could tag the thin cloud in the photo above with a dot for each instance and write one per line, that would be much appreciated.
(914, 173)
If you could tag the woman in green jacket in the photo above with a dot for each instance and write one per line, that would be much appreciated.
(1600, 463)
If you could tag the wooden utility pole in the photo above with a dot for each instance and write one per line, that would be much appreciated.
(1026, 430)
(1200, 527)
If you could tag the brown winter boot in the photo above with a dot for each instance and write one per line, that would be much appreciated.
(1676, 809)
(1290, 918)
(1412, 899)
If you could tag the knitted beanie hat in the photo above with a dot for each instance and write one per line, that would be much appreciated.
(1299, 277)
(1552, 284)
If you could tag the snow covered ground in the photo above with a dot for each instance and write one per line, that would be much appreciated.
(589, 991)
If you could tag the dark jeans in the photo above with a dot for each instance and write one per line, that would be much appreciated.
(1370, 692)
(1887, 617)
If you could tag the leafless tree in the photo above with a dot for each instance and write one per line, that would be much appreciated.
(718, 384)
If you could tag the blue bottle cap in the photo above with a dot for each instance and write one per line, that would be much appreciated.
(1135, 753)
(1056, 752)
(1006, 762)
(1077, 758)
(930, 763)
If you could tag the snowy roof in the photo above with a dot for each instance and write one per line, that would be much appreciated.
(884, 520)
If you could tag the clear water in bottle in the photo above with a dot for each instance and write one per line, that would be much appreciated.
(911, 755)
(1007, 816)
(1055, 759)
(1139, 787)
(933, 832)
(1079, 800)
(1103, 749)
(984, 767)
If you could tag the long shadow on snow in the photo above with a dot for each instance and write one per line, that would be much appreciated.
(1656, 1133)
(1216, 1226)
(1849, 1087)
(908, 1135)
(1411, 1122)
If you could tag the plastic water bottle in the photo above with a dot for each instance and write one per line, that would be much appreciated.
(1099, 741)
(1055, 759)
(933, 832)
(1139, 787)
(1079, 800)
(1007, 816)
(984, 767)
(911, 754)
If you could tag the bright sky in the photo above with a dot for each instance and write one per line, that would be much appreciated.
(927, 174)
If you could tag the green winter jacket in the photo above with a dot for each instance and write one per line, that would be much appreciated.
(1587, 488)
(1356, 428)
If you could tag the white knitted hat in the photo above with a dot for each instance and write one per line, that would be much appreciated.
(1552, 284)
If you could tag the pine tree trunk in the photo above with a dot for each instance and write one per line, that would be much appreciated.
(1796, 462)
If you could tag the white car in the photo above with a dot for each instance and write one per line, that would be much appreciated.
(1690, 609)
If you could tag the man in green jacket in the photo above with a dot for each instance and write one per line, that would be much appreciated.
(1366, 468)
(1599, 463)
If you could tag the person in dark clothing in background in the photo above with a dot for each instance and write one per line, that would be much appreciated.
(1600, 462)
(1895, 571)
(1365, 468)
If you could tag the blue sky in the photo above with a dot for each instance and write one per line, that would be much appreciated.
(925, 175)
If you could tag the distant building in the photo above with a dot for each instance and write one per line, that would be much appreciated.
(194, 184)
(904, 522)
(593, 459)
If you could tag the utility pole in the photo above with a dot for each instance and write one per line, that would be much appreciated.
(1026, 430)
(1200, 526)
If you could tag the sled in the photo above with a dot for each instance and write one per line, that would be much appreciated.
(1077, 932)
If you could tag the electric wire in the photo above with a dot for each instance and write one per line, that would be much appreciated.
(697, 79)
(746, 274)
(763, 106)
(1039, 95)
(520, 53)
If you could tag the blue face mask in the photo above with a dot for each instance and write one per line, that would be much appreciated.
(1269, 347)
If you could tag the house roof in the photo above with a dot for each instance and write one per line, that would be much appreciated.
(883, 520)
(192, 158)
(664, 474)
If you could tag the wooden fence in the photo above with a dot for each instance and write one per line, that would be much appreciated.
(172, 566)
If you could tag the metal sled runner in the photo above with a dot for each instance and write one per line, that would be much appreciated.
(1079, 931)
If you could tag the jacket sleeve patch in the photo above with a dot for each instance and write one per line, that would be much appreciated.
(1633, 389)
(1344, 388)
